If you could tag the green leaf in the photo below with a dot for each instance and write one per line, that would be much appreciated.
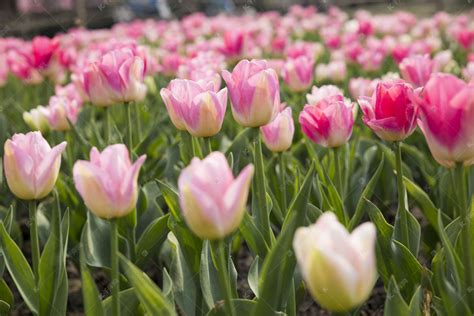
(171, 198)
(90, 293)
(394, 303)
(96, 241)
(151, 239)
(406, 268)
(19, 270)
(129, 303)
(253, 276)
(6, 297)
(252, 235)
(412, 228)
(209, 277)
(366, 194)
(454, 265)
(278, 267)
(147, 292)
(242, 307)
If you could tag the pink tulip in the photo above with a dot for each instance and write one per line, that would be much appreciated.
(254, 91)
(31, 165)
(212, 201)
(278, 134)
(37, 119)
(361, 87)
(447, 119)
(329, 122)
(117, 77)
(298, 73)
(390, 113)
(43, 50)
(417, 69)
(108, 182)
(195, 107)
(60, 110)
(318, 94)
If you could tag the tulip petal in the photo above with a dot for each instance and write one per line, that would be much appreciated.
(48, 170)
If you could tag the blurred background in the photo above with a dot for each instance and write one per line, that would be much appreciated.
(27, 18)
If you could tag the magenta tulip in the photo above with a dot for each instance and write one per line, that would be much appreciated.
(417, 69)
(108, 182)
(254, 91)
(447, 119)
(195, 107)
(278, 134)
(31, 165)
(390, 113)
(212, 201)
(329, 122)
(298, 73)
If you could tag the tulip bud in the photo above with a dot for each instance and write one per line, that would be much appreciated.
(329, 122)
(31, 165)
(61, 111)
(212, 201)
(447, 119)
(278, 134)
(108, 182)
(339, 268)
(298, 73)
(37, 119)
(254, 91)
(390, 113)
(417, 69)
(194, 107)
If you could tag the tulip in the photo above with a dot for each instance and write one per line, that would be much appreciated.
(31, 165)
(318, 94)
(108, 182)
(43, 49)
(212, 201)
(338, 267)
(37, 119)
(117, 77)
(278, 134)
(195, 107)
(60, 112)
(254, 91)
(298, 73)
(329, 122)
(390, 113)
(417, 69)
(447, 119)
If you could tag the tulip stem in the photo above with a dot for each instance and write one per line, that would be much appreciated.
(115, 282)
(128, 108)
(282, 182)
(465, 235)
(207, 145)
(261, 214)
(108, 125)
(35, 250)
(402, 211)
(221, 266)
(196, 147)
(338, 174)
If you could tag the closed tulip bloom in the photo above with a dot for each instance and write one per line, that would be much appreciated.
(278, 134)
(37, 119)
(417, 69)
(254, 91)
(108, 182)
(329, 122)
(390, 112)
(212, 200)
(117, 77)
(61, 111)
(31, 165)
(338, 267)
(195, 107)
(298, 73)
(447, 119)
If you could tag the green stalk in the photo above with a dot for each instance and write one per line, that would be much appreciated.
(261, 214)
(115, 282)
(281, 160)
(207, 146)
(35, 249)
(402, 211)
(338, 174)
(108, 125)
(218, 248)
(129, 126)
(465, 235)
(196, 147)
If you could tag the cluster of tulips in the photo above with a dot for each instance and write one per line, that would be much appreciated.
(160, 177)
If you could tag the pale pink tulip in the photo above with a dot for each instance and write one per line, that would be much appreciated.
(298, 73)
(212, 200)
(37, 119)
(60, 110)
(108, 182)
(278, 134)
(417, 69)
(31, 165)
(318, 94)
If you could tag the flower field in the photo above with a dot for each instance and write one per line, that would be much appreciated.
(303, 163)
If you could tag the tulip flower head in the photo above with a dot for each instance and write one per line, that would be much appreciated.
(329, 122)
(31, 165)
(390, 112)
(212, 200)
(298, 73)
(278, 134)
(37, 119)
(195, 107)
(254, 91)
(338, 267)
(417, 69)
(108, 182)
(447, 119)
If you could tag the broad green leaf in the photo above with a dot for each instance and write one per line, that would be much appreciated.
(407, 226)
(96, 241)
(406, 268)
(171, 197)
(453, 262)
(252, 235)
(394, 303)
(253, 276)
(6, 297)
(147, 292)
(209, 278)
(90, 293)
(168, 286)
(278, 267)
(19, 269)
(151, 239)
(242, 307)
(129, 304)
